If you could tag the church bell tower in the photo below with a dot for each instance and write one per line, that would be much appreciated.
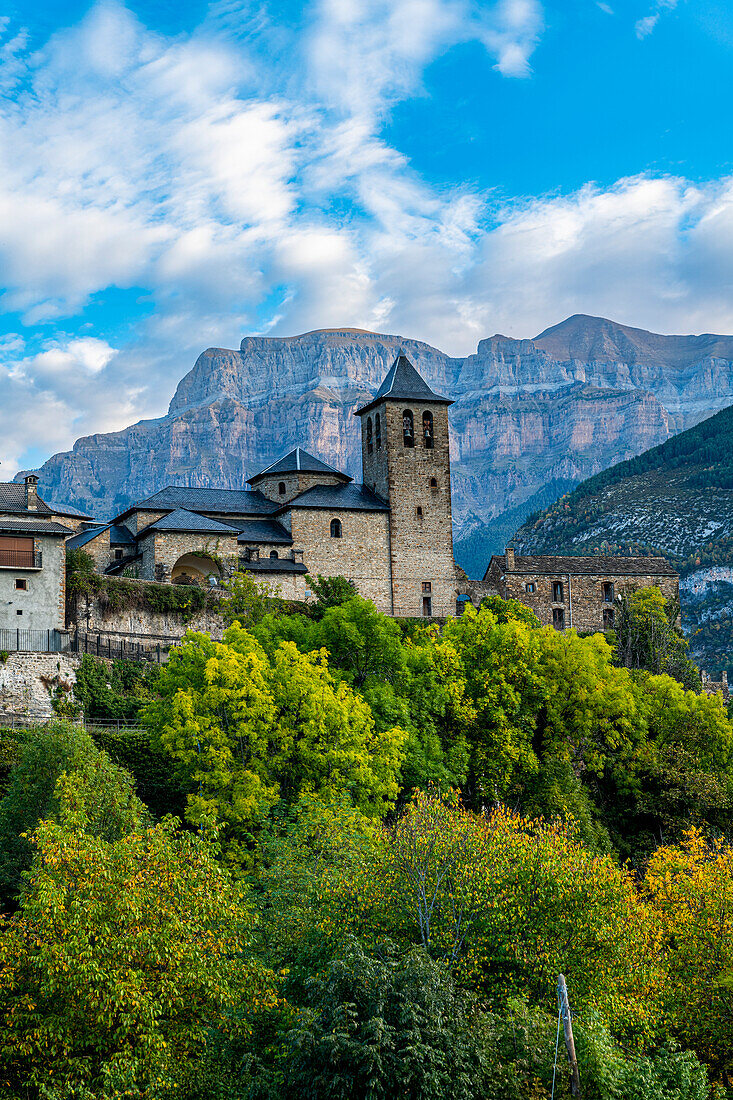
(406, 461)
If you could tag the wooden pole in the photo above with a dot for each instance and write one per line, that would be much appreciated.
(567, 1026)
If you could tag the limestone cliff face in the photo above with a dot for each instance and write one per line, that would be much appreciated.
(525, 412)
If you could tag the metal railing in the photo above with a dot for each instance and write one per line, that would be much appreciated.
(14, 640)
(21, 559)
(104, 645)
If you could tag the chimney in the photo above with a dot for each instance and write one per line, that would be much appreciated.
(31, 493)
(297, 555)
(509, 558)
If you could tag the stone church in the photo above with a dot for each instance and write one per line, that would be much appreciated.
(390, 535)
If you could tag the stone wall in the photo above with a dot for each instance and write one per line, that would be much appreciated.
(361, 554)
(296, 482)
(416, 482)
(161, 551)
(27, 679)
(582, 598)
(99, 550)
(140, 624)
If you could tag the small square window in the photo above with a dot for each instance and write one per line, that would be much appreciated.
(118, 555)
(18, 612)
(21, 584)
(427, 586)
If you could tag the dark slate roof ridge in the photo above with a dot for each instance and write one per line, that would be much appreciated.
(298, 461)
(404, 383)
(352, 497)
(12, 499)
(274, 565)
(264, 530)
(588, 563)
(65, 510)
(81, 538)
(234, 501)
(181, 519)
(120, 535)
(34, 526)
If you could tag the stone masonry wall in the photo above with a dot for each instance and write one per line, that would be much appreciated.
(161, 551)
(99, 551)
(294, 483)
(583, 600)
(421, 544)
(22, 687)
(142, 625)
(361, 555)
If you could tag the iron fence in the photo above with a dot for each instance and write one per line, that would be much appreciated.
(104, 645)
(14, 640)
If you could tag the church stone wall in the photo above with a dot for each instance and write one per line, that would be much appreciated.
(421, 544)
(361, 554)
(296, 482)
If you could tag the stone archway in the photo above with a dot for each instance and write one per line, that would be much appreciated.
(195, 569)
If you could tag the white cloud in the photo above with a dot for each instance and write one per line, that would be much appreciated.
(158, 166)
(646, 25)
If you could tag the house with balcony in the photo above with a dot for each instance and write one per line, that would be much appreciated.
(32, 567)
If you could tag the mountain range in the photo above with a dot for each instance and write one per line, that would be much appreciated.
(530, 419)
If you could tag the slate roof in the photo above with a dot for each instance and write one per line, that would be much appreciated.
(12, 498)
(77, 541)
(64, 510)
(352, 498)
(594, 564)
(120, 536)
(226, 501)
(27, 526)
(295, 461)
(182, 520)
(274, 565)
(404, 383)
(263, 530)
(117, 566)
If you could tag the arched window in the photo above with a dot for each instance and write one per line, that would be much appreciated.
(427, 429)
(335, 528)
(378, 427)
(408, 428)
(433, 483)
(274, 554)
(281, 488)
(369, 435)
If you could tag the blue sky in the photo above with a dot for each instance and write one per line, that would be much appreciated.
(176, 176)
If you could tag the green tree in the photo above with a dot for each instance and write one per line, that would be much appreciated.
(122, 956)
(247, 730)
(248, 601)
(107, 791)
(329, 592)
(649, 638)
(385, 1027)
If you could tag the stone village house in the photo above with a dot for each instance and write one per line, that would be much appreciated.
(32, 566)
(575, 592)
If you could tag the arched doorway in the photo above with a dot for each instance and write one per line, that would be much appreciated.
(195, 569)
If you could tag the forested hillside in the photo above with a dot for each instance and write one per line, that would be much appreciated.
(389, 841)
(676, 499)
